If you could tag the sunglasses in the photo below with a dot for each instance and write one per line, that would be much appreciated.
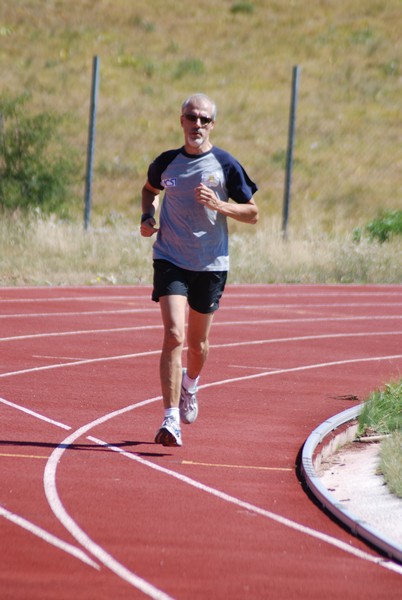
(194, 118)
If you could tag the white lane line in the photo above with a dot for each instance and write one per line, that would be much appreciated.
(34, 414)
(70, 358)
(295, 292)
(84, 313)
(328, 319)
(359, 305)
(253, 307)
(104, 557)
(334, 363)
(267, 373)
(92, 547)
(79, 332)
(157, 352)
(303, 338)
(74, 299)
(86, 361)
(48, 537)
(255, 509)
(68, 522)
(249, 322)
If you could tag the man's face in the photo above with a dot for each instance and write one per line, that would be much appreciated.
(197, 124)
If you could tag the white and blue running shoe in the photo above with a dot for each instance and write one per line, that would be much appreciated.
(169, 434)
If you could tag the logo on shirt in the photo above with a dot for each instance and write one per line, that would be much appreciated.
(170, 182)
(210, 179)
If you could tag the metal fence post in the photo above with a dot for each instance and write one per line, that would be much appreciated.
(289, 154)
(91, 140)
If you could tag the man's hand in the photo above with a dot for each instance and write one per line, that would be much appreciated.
(205, 196)
(148, 228)
(244, 213)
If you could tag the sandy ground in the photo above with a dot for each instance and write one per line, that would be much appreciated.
(351, 476)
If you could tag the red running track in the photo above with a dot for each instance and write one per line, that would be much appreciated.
(92, 508)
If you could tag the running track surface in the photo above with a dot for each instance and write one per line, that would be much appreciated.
(92, 508)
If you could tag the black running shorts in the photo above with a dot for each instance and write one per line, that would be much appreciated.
(203, 289)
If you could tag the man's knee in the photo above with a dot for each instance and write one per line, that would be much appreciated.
(199, 347)
(174, 337)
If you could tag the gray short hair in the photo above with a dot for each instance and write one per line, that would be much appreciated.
(203, 97)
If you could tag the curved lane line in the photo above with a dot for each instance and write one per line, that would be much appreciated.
(302, 338)
(78, 298)
(108, 560)
(302, 368)
(84, 313)
(32, 336)
(381, 290)
(76, 363)
(252, 307)
(156, 352)
(68, 522)
(255, 509)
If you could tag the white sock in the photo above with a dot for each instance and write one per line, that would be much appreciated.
(190, 384)
(173, 412)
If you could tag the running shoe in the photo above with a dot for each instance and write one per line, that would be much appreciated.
(169, 434)
(188, 405)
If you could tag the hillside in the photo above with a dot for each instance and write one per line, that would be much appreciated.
(153, 53)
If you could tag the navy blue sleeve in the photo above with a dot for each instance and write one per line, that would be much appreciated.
(239, 185)
(157, 167)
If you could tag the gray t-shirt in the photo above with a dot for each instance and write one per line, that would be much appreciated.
(190, 235)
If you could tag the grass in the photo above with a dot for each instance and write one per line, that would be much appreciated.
(153, 53)
(382, 414)
(391, 462)
(43, 251)
(39, 250)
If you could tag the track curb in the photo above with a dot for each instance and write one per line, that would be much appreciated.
(326, 435)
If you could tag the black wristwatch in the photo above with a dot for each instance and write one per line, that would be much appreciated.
(146, 216)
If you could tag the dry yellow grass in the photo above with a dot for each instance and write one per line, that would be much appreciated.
(155, 52)
(47, 252)
(391, 462)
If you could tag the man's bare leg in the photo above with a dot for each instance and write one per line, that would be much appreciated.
(173, 310)
(199, 326)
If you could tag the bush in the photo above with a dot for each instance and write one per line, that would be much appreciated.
(36, 168)
(242, 7)
(389, 223)
(189, 66)
(386, 225)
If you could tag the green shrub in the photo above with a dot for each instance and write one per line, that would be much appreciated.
(384, 227)
(388, 223)
(36, 168)
(189, 66)
(242, 7)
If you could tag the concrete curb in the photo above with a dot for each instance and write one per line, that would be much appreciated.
(309, 463)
